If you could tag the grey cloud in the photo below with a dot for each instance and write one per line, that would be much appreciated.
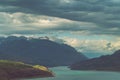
(100, 12)
(106, 31)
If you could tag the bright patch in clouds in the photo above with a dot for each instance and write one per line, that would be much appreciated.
(66, 1)
(22, 21)
(93, 46)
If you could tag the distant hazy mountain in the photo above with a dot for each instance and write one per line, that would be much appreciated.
(107, 63)
(38, 51)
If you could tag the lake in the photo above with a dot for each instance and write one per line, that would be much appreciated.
(64, 73)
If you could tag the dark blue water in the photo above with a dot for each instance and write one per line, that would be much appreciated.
(63, 73)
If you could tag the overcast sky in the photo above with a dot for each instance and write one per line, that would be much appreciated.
(90, 26)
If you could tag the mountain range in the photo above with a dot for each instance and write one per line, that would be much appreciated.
(38, 51)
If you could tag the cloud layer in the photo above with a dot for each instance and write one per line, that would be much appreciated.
(21, 22)
(95, 46)
(65, 18)
(102, 13)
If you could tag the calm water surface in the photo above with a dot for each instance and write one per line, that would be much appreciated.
(63, 73)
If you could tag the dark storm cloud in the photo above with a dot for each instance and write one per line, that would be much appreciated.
(103, 13)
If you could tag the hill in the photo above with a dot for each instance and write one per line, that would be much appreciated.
(13, 70)
(38, 51)
(105, 63)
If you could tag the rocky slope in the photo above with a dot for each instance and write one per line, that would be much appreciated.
(107, 63)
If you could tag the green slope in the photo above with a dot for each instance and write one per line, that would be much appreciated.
(12, 70)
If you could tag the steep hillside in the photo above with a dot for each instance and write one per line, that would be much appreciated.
(38, 51)
(107, 63)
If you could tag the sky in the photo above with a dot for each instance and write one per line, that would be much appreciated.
(90, 26)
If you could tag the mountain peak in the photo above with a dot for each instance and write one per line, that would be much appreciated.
(39, 51)
(117, 52)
